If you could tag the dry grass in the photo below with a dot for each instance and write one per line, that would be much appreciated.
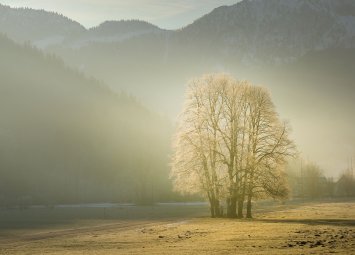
(322, 228)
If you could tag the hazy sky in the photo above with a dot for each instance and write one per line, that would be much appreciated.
(169, 14)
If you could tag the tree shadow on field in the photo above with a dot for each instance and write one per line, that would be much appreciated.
(331, 222)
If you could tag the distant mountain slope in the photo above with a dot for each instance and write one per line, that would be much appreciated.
(112, 31)
(250, 32)
(37, 26)
(66, 138)
(44, 28)
(275, 30)
(121, 28)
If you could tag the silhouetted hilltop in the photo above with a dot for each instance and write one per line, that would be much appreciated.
(37, 26)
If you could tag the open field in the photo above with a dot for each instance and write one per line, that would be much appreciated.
(321, 228)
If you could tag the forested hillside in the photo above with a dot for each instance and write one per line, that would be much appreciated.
(68, 138)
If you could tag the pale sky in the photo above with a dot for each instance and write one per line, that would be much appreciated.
(169, 14)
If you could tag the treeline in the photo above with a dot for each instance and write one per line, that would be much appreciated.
(230, 145)
(308, 181)
(65, 138)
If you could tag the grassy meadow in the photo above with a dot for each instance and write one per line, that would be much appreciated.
(294, 228)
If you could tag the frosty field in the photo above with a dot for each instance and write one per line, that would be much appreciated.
(321, 228)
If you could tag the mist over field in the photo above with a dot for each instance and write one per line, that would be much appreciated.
(308, 54)
(164, 111)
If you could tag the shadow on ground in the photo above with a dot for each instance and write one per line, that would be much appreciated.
(331, 222)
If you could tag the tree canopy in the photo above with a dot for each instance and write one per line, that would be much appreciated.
(230, 144)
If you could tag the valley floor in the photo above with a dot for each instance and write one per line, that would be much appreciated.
(321, 228)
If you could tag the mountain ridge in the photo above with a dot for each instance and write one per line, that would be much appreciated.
(276, 31)
(253, 31)
(26, 24)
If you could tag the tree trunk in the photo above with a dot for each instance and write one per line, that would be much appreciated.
(212, 212)
(211, 200)
(240, 208)
(228, 203)
(249, 207)
(233, 209)
(241, 201)
(217, 208)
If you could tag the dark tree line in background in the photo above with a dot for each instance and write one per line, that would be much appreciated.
(308, 181)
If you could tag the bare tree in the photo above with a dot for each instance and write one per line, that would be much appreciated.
(195, 165)
(268, 147)
(313, 181)
(230, 144)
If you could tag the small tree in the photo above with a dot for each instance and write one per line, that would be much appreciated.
(346, 184)
(313, 181)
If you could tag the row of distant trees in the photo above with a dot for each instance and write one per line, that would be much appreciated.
(230, 145)
(307, 180)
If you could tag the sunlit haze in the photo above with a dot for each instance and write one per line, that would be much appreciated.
(129, 126)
